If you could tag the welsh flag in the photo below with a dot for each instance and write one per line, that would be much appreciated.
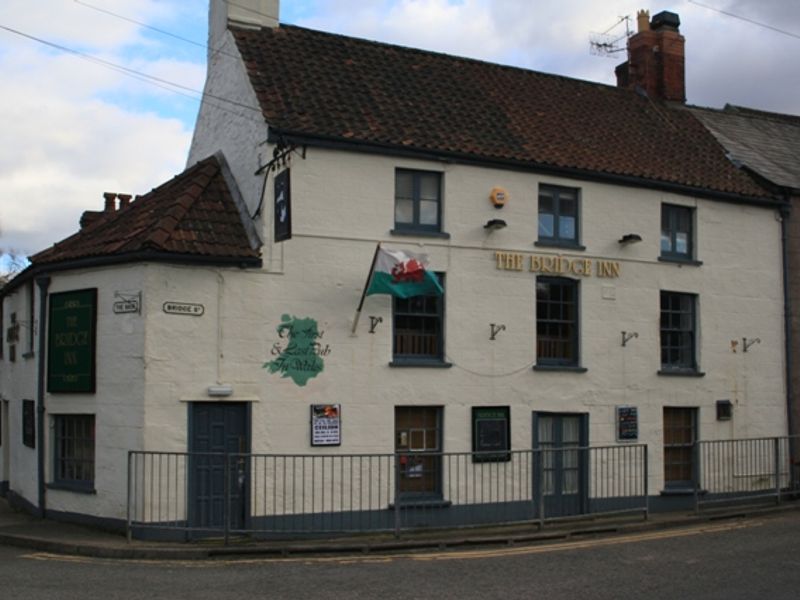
(402, 274)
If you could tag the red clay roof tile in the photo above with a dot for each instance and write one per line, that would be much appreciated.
(194, 214)
(316, 84)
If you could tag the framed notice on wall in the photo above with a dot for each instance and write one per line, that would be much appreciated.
(627, 424)
(71, 337)
(491, 428)
(326, 424)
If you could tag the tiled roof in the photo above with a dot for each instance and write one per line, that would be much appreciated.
(768, 143)
(327, 86)
(193, 215)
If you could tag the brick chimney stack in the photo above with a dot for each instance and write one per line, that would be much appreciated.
(111, 202)
(655, 58)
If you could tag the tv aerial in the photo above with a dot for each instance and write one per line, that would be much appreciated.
(611, 41)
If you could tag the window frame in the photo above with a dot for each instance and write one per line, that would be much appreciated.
(402, 307)
(556, 239)
(679, 447)
(682, 365)
(567, 363)
(66, 461)
(415, 226)
(671, 214)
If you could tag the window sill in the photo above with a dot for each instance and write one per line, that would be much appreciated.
(566, 368)
(557, 244)
(680, 261)
(72, 487)
(431, 363)
(420, 233)
(681, 373)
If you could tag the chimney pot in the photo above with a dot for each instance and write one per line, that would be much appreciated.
(665, 20)
(643, 20)
(111, 199)
(124, 200)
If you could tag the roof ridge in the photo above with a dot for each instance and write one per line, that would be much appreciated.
(447, 55)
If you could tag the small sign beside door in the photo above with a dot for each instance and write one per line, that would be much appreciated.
(627, 424)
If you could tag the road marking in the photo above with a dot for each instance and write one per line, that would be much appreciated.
(454, 554)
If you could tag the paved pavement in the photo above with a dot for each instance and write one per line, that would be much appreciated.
(23, 530)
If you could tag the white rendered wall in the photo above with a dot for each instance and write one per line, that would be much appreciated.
(117, 403)
(18, 383)
(343, 204)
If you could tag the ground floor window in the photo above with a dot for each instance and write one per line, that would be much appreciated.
(418, 435)
(74, 451)
(680, 433)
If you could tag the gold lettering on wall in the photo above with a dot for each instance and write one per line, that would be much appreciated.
(559, 265)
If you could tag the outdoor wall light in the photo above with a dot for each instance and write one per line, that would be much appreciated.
(220, 391)
(494, 224)
(630, 238)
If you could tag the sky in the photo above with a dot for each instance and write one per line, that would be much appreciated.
(102, 95)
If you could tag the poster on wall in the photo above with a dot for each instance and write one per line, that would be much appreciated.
(71, 341)
(283, 207)
(326, 424)
(627, 424)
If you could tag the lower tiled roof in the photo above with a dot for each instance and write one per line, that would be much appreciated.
(352, 90)
(193, 215)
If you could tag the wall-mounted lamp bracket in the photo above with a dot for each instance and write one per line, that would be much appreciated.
(627, 337)
(630, 238)
(373, 323)
(494, 224)
(494, 330)
(747, 343)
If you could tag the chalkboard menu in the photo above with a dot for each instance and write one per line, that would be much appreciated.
(627, 424)
(491, 434)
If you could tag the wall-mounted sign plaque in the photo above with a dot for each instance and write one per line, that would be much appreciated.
(184, 308)
(71, 341)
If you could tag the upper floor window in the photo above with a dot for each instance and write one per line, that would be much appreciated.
(558, 216)
(418, 201)
(676, 232)
(556, 321)
(419, 328)
(678, 334)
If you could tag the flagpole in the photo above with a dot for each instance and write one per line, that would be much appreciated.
(366, 287)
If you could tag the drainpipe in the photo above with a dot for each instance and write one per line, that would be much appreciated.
(44, 283)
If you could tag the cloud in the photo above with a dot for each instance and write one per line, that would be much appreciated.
(74, 129)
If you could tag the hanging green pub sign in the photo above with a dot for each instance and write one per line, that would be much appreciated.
(71, 341)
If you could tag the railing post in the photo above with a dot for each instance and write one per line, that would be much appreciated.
(646, 484)
(538, 480)
(128, 532)
(777, 452)
(396, 495)
(696, 474)
(227, 503)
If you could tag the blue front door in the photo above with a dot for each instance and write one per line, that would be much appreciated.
(561, 473)
(219, 440)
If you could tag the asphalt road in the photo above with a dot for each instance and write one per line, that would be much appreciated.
(755, 558)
